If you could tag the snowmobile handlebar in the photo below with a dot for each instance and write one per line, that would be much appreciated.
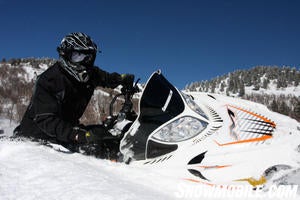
(127, 92)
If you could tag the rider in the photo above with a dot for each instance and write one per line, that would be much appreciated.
(62, 93)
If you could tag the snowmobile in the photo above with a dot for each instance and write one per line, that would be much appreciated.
(204, 138)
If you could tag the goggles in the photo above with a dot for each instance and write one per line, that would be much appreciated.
(79, 56)
(82, 57)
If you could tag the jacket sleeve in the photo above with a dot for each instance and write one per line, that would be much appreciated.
(46, 107)
(106, 79)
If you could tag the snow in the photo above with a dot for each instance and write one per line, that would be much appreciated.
(273, 90)
(29, 171)
(32, 73)
(32, 171)
(101, 93)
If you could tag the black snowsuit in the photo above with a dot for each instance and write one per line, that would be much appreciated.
(58, 101)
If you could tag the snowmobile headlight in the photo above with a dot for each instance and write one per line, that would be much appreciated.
(179, 130)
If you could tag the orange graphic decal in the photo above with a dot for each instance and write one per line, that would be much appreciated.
(256, 115)
(265, 137)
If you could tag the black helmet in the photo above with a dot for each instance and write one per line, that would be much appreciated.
(77, 52)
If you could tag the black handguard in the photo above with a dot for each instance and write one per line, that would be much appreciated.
(127, 81)
(109, 122)
(129, 88)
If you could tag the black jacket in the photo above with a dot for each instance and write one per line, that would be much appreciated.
(58, 101)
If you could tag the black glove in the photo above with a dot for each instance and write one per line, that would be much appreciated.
(83, 136)
(127, 81)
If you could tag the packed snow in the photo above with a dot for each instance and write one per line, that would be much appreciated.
(32, 171)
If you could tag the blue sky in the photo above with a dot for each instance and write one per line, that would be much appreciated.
(190, 40)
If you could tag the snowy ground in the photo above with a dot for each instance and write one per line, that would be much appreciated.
(35, 172)
(31, 171)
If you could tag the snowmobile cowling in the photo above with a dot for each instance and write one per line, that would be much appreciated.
(208, 138)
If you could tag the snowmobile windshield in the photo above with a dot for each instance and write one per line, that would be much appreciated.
(159, 103)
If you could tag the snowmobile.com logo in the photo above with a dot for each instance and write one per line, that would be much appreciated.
(235, 191)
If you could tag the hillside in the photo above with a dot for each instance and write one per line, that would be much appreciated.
(276, 87)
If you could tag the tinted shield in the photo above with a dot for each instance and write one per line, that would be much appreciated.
(159, 103)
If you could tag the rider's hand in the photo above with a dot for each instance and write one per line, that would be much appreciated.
(82, 136)
(127, 80)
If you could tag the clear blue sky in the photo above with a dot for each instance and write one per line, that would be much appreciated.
(190, 40)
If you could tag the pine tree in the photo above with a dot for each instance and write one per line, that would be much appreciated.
(265, 83)
(296, 110)
(283, 108)
(274, 106)
(241, 88)
(222, 86)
